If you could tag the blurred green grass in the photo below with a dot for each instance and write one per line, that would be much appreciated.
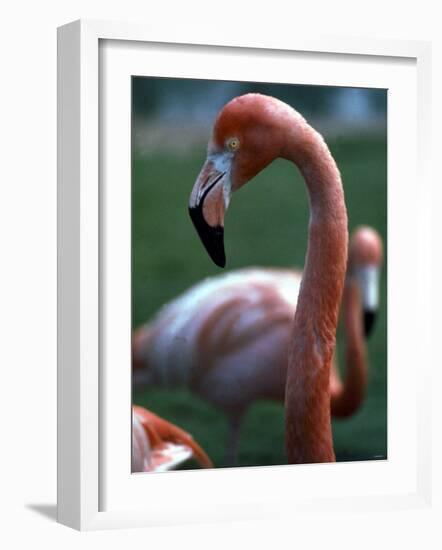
(266, 225)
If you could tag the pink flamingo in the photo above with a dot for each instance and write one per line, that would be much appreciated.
(249, 133)
(159, 445)
(231, 334)
(360, 305)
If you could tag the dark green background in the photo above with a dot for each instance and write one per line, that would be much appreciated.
(266, 225)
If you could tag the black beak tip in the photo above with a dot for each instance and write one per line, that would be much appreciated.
(211, 237)
(219, 258)
(369, 321)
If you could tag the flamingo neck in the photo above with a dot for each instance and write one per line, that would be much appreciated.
(346, 398)
(307, 399)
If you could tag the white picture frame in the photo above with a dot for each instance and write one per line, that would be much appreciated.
(95, 488)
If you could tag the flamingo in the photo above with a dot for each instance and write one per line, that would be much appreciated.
(249, 133)
(360, 305)
(228, 336)
(159, 445)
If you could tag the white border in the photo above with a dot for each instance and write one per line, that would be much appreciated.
(118, 62)
(79, 478)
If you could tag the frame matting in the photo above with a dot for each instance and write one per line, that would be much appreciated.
(96, 492)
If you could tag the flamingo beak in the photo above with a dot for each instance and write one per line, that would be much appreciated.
(207, 205)
(211, 237)
(368, 277)
(369, 320)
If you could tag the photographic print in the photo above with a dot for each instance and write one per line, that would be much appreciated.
(259, 274)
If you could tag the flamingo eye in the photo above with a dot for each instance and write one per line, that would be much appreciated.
(232, 144)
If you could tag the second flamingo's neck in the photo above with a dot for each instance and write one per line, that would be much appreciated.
(346, 397)
(308, 422)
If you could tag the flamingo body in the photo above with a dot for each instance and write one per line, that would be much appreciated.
(220, 337)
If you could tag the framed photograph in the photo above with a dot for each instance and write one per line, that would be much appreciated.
(280, 384)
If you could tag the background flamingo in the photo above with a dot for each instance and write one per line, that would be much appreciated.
(228, 337)
(360, 305)
(159, 445)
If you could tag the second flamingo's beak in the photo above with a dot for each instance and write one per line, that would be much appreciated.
(208, 202)
(368, 278)
(369, 320)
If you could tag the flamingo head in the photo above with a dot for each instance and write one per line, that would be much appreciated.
(365, 261)
(248, 134)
